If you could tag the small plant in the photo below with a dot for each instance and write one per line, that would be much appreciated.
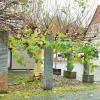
(69, 49)
(71, 53)
(70, 57)
(90, 51)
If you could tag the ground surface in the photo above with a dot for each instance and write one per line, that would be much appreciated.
(90, 95)
(18, 82)
(79, 95)
(64, 89)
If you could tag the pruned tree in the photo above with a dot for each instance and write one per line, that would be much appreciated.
(10, 16)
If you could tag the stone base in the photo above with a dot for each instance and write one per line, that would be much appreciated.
(3, 84)
(56, 71)
(88, 78)
(70, 75)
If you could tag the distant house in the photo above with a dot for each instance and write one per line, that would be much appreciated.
(93, 32)
(94, 26)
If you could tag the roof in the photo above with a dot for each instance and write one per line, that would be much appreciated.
(95, 20)
(96, 17)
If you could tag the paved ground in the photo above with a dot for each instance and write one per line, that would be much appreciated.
(90, 95)
(93, 95)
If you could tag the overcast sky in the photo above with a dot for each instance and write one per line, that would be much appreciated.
(92, 5)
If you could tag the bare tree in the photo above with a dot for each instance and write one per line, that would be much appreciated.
(70, 22)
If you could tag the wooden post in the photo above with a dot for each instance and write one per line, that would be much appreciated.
(3, 61)
(48, 66)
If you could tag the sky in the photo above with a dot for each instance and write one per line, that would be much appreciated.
(89, 12)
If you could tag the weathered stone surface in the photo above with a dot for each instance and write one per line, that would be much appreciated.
(70, 75)
(3, 83)
(48, 67)
(56, 71)
(88, 78)
(3, 61)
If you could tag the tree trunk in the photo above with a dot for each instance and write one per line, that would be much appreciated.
(87, 77)
(48, 67)
(37, 67)
(86, 67)
(70, 65)
(3, 61)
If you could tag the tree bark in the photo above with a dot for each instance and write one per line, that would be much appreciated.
(37, 67)
(86, 67)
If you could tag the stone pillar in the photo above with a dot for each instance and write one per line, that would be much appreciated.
(3, 61)
(48, 67)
